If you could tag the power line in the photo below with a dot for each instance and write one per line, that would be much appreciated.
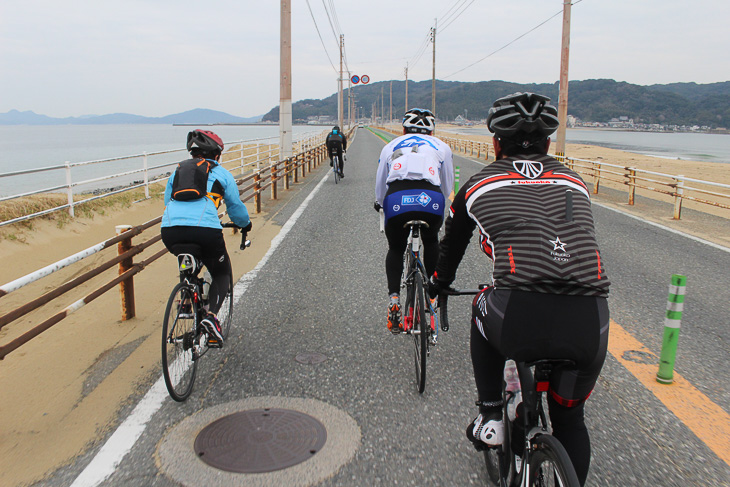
(457, 16)
(320, 37)
(509, 43)
(334, 32)
(421, 49)
(450, 9)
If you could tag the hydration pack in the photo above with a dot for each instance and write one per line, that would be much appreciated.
(191, 180)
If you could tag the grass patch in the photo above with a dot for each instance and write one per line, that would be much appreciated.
(40, 202)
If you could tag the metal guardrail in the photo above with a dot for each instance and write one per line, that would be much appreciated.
(310, 155)
(674, 186)
(247, 153)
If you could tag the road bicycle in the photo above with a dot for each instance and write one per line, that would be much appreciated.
(184, 339)
(537, 458)
(420, 319)
(335, 165)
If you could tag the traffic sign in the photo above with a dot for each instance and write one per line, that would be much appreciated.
(365, 79)
(355, 79)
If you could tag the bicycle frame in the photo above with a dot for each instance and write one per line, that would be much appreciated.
(413, 251)
(193, 280)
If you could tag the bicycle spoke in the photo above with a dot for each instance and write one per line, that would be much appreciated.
(178, 343)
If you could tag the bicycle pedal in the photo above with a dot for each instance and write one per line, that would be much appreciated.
(214, 343)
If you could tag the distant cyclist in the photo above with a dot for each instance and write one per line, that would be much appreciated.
(415, 176)
(196, 220)
(337, 144)
(548, 298)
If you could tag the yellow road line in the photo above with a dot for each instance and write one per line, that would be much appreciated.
(706, 419)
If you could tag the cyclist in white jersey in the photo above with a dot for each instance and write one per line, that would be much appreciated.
(415, 177)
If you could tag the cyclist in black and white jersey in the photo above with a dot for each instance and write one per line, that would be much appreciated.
(415, 176)
(548, 298)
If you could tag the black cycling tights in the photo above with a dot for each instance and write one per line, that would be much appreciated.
(569, 428)
(398, 240)
(215, 257)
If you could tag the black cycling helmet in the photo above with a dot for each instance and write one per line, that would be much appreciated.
(336, 129)
(523, 114)
(204, 140)
(419, 120)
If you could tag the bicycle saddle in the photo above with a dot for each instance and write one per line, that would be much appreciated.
(415, 222)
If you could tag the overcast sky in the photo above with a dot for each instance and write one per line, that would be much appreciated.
(159, 57)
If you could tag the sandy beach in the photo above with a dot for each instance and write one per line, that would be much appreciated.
(65, 388)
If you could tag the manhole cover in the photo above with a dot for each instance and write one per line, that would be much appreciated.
(260, 440)
(310, 358)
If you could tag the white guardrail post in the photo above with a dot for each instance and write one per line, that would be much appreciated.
(69, 189)
(146, 176)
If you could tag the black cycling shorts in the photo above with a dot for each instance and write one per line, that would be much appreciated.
(527, 326)
(215, 256)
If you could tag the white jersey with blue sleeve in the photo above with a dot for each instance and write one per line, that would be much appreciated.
(415, 156)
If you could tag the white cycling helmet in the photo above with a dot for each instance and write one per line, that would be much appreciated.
(419, 120)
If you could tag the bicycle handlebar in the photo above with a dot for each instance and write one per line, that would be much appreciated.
(245, 242)
(443, 300)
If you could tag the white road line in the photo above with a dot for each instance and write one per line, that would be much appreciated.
(659, 225)
(126, 435)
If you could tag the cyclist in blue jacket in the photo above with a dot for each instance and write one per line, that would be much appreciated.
(196, 221)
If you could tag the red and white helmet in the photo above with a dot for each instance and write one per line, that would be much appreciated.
(204, 140)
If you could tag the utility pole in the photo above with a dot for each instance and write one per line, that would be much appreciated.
(406, 109)
(563, 94)
(382, 104)
(433, 72)
(339, 85)
(390, 113)
(285, 108)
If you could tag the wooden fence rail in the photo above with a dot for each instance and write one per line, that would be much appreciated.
(261, 178)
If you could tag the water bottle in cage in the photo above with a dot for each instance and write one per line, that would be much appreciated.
(207, 279)
(512, 381)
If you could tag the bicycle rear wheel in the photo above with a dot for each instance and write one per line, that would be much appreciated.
(419, 332)
(550, 464)
(178, 340)
(225, 315)
(336, 168)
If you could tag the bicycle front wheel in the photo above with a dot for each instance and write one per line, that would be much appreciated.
(178, 342)
(420, 332)
(226, 312)
(550, 464)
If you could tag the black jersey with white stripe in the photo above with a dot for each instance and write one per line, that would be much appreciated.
(535, 222)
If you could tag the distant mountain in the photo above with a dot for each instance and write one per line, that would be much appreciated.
(197, 116)
(597, 100)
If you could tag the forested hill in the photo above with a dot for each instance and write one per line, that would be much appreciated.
(597, 100)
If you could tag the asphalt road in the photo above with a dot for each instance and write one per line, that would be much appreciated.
(323, 291)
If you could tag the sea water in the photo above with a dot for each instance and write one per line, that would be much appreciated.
(675, 145)
(33, 146)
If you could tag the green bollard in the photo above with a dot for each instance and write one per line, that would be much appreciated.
(456, 179)
(675, 305)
